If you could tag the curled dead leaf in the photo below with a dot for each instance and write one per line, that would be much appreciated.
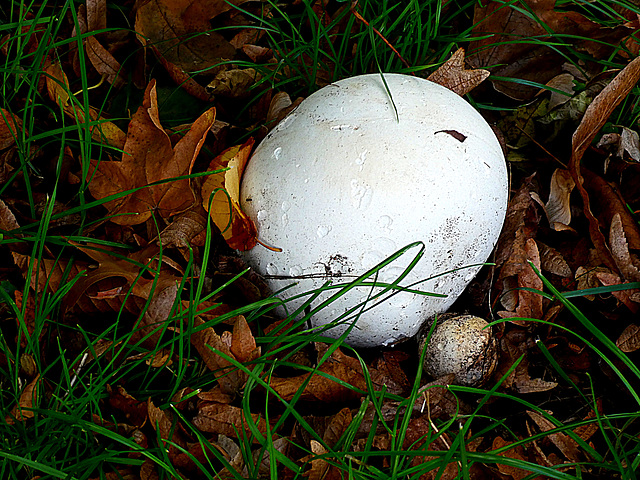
(221, 197)
(594, 118)
(629, 339)
(609, 279)
(626, 261)
(27, 401)
(10, 126)
(558, 207)
(456, 77)
(233, 83)
(228, 420)
(552, 261)
(216, 354)
(59, 92)
(516, 453)
(568, 446)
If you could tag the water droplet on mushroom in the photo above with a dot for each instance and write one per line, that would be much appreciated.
(384, 223)
(285, 220)
(277, 152)
(361, 194)
(371, 258)
(385, 245)
(286, 206)
(469, 276)
(390, 274)
(361, 159)
(295, 271)
(262, 215)
(272, 269)
(323, 230)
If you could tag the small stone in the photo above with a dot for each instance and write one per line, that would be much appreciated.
(461, 345)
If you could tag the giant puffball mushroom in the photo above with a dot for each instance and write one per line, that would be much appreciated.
(361, 169)
(462, 345)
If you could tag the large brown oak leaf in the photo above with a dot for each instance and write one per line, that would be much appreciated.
(149, 157)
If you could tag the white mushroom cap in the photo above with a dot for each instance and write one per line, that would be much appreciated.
(342, 183)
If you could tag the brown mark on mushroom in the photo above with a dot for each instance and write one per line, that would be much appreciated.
(454, 133)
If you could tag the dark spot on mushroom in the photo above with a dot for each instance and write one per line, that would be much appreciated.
(455, 134)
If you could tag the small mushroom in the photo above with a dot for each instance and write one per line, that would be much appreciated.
(361, 169)
(462, 345)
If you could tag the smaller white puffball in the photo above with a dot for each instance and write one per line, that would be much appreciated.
(461, 345)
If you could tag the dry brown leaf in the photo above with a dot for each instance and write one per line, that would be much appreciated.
(319, 466)
(149, 157)
(565, 82)
(504, 47)
(165, 426)
(568, 446)
(607, 201)
(228, 420)
(47, 274)
(104, 62)
(154, 321)
(523, 383)
(8, 220)
(23, 410)
(207, 342)
(221, 192)
(421, 429)
(629, 145)
(553, 262)
(185, 230)
(321, 386)
(625, 260)
(529, 303)
(96, 13)
(586, 278)
(512, 347)
(516, 453)
(10, 126)
(521, 223)
(594, 118)
(558, 207)
(625, 296)
(58, 90)
(135, 411)
(91, 18)
(234, 83)
(243, 344)
(181, 33)
(101, 288)
(337, 426)
(585, 432)
(215, 395)
(453, 75)
(629, 339)
(279, 107)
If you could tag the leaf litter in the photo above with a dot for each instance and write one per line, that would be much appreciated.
(158, 185)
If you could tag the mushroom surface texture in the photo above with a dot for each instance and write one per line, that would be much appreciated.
(461, 345)
(360, 170)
